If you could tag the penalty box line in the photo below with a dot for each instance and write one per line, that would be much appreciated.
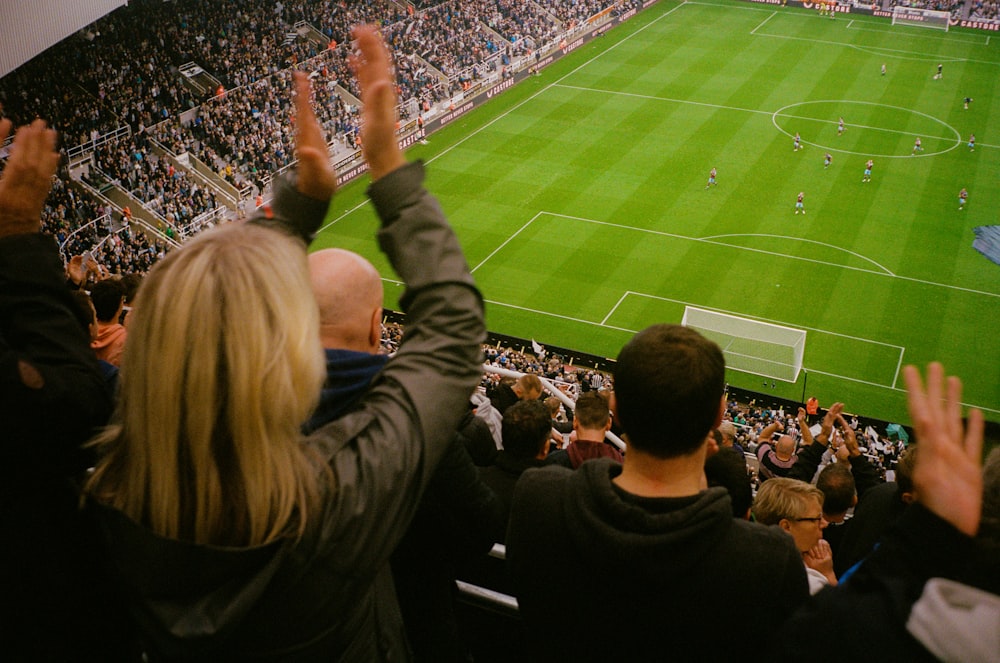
(890, 385)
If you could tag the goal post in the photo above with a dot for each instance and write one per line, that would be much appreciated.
(751, 346)
(922, 18)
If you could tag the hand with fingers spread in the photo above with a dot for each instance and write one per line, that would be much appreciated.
(948, 477)
(373, 69)
(317, 178)
(27, 178)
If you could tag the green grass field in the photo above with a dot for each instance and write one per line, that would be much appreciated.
(580, 198)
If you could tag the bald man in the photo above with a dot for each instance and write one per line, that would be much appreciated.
(776, 458)
(348, 290)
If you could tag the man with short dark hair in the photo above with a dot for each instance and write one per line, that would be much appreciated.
(645, 541)
(108, 297)
(527, 426)
(591, 421)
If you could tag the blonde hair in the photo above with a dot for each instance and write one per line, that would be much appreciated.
(223, 364)
(781, 498)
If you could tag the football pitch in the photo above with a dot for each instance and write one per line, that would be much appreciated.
(580, 195)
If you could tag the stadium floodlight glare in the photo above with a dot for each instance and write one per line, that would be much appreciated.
(762, 348)
(922, 18)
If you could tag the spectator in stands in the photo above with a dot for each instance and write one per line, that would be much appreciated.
(644, 540)
(560, 423)
(882, 506)
(527, 388)
(88, 318)
(728, 469)
(526, 431)
(591, 421)
(932, 589)
(348, 291)
(728, 431)
(797, 508)
(842, 483)
(206, 492)
(458, 517)
(108, 297)
(776, 457)
(53, 397)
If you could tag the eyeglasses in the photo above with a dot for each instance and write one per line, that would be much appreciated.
(816, 520)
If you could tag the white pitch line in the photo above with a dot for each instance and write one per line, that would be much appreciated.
(559, 315)
(761, 24)
(517, 106)
(775, 253)
(808, 241)
(505, 243)
(634, 331)
(615, 307)
(778, 113)
(777, 322)
(899, 365)
(952, 38)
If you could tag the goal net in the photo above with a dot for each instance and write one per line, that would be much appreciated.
(923, 18)
(751, 346)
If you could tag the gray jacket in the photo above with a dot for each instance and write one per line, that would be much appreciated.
(329, 596)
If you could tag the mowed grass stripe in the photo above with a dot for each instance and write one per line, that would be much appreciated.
(643, 161)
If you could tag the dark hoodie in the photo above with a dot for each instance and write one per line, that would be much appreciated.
(665, 570)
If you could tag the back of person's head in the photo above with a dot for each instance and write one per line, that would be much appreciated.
(989, 524)
(526, 428)
(84, 312)
(348, 291)
(669, 382)
(728, 431)
(553, 404)
(130, 286)
(839, 492)
(904, 472)
(785, 446)
(224, 365)
(780, 498)
(728, 469)
(592, 411)
(107, 296)
(530, 386)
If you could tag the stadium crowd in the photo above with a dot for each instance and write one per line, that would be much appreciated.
(328, 515)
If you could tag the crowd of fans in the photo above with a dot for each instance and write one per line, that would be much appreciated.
(123, 72)
(985, 10)
(214, 528)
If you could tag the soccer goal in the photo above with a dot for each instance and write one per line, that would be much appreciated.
(922, 18)
(751, 346)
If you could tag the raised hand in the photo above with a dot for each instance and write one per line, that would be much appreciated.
(948, 477)
(820, 558)
(27, 178)
(317, 178)
(371, 65)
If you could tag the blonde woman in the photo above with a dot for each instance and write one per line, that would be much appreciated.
(231, 536)
(797, 508)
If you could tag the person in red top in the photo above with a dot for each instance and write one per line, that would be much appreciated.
(799, 205)
(812, 409)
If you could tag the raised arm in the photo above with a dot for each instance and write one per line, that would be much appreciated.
(409, 415)
(51, 383)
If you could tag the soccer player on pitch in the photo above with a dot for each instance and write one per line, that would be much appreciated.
(972, 142)
(916, 147)
(868, 171)
(799, 205)
(840, 127)
(827, 160)
(963, 195)
(711, 178)
(797, 145)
